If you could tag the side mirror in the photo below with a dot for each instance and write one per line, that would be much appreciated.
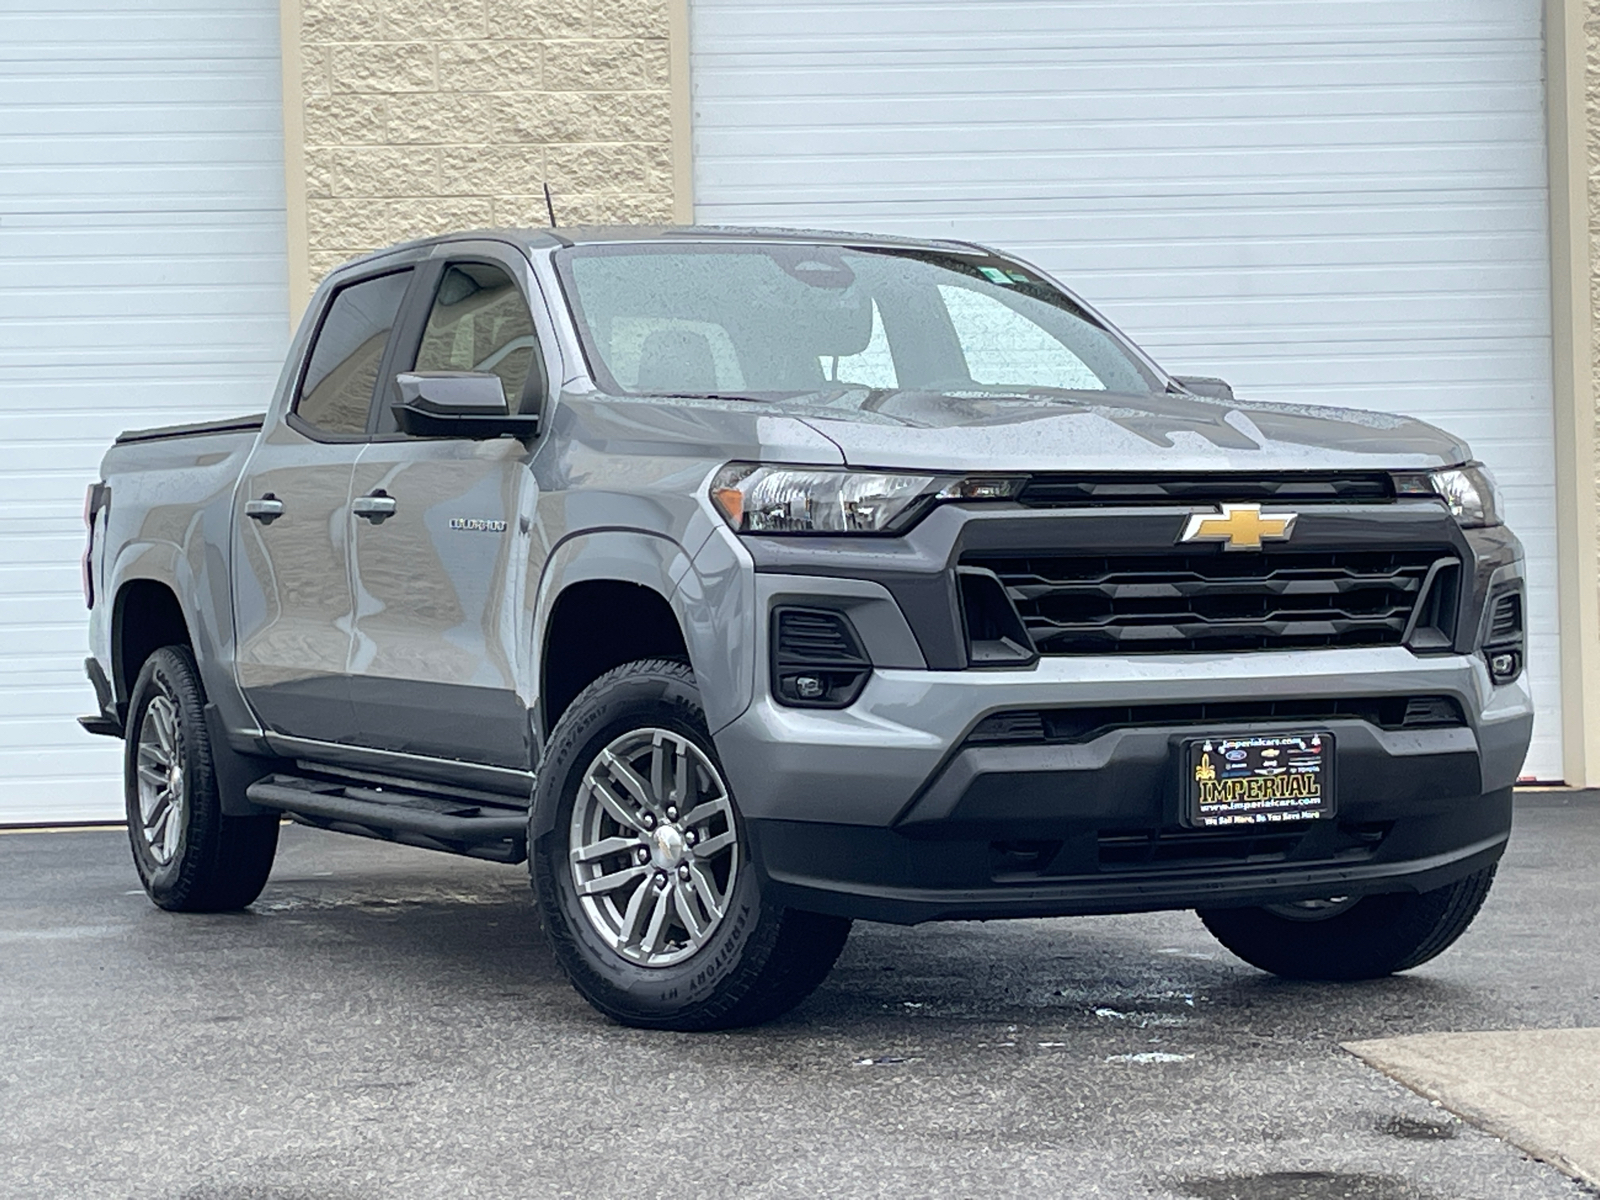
(1205, 385)
(463, 404)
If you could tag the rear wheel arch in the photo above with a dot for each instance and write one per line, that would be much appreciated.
(146, 616)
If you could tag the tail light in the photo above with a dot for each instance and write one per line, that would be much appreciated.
(96, 498)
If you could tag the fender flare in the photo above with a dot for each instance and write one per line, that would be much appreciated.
(160, 563)
(700, 599)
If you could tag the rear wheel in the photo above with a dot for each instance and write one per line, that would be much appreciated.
(190, 857)
(1345, 937)
(643, 876)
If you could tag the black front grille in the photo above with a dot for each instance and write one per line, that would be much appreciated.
(1213, 600)
(1077, 490)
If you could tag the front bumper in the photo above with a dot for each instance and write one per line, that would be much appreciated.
(881, 812)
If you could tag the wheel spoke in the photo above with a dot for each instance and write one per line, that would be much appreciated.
(624, 774)
(657, 929)
(160, 817)
(613, 804)
(681, 783)
(162, 714)
(714, 845)
(683, 900)
(152, 807)
(173, 831)
(660, 752)
(604, 848)
(703, 812)
(630, 932)
(152, 753)
(150, 775)
(706, 888)
(611, 882)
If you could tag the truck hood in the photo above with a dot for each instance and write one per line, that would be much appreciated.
(1076, 431)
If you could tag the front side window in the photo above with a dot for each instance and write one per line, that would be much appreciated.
(342, 373)
(769, 320)
(480, 322)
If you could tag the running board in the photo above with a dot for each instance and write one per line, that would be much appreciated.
(477, 829)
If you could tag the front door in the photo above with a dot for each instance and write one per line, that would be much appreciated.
(441, 545)
(291, 582)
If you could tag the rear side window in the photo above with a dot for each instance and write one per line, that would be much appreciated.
(480, 322)
(342, 374)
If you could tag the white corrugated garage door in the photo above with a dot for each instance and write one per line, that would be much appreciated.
(1338, 201)
(143, 281)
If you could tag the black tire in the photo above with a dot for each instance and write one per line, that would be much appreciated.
(1370, 937)
(194, 859)
(757, 961)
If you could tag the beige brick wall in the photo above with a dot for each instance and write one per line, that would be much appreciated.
(423, 116)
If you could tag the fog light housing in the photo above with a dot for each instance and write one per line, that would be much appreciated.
(1504, 665)
(817, 658)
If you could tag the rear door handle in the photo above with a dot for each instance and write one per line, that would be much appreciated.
(266, 510)
(377, 507)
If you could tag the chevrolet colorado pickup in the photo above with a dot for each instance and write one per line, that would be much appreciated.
(746, 583)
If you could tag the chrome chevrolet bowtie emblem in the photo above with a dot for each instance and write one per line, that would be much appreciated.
(1239, 526)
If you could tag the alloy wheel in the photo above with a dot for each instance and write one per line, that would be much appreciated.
(163, 791)
(652, 846)
(1313, 910)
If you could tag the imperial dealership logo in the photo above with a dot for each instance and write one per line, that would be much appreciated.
(1239, 527)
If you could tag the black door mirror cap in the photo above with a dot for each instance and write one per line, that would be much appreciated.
(460, 404)
(463, 393)
(1205, 385)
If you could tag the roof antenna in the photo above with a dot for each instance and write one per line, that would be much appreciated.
(550, 206)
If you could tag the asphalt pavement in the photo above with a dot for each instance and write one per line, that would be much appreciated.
(386, 1022)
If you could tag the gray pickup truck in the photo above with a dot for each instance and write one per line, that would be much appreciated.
(746, 583)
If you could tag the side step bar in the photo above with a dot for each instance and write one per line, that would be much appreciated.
(495, 832)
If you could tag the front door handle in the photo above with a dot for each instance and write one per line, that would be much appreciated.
(376, 507)
(266, 510)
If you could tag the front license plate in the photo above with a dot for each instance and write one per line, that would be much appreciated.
(1258, 780)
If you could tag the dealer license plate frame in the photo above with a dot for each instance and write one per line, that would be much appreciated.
(1296, 782)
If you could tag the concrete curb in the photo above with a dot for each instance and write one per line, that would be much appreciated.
(1538, 1089)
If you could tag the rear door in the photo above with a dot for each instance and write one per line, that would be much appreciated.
(441, 550)
(292, 597)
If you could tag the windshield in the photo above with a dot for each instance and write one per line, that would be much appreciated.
(768, 320)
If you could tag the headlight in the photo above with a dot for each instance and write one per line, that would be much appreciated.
(1468, 491)
(757, 499)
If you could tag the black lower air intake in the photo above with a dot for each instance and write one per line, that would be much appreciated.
(1503, 636)
(817, 659)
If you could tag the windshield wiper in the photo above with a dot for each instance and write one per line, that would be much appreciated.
(705, 396)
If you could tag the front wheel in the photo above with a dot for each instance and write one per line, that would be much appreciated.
(643, 874)
(190, 857)
(1347, 937)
